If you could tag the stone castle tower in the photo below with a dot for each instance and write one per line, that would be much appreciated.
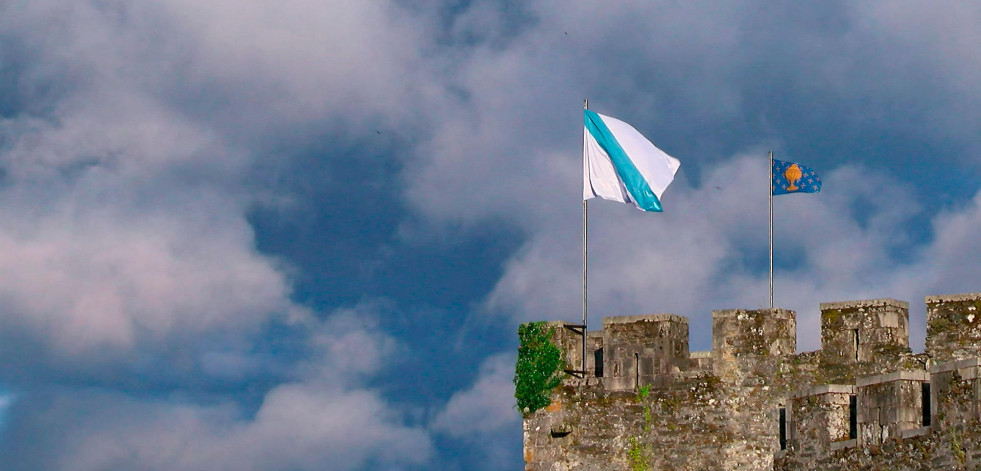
(863, 401)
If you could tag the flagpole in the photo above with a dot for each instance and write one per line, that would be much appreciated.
(770, 186)
(585, 105)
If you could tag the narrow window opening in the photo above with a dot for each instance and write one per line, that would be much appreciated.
(925, 392)
(881, 421)
(598, 362)
(783, 428)
(852, 418)
(637, 370)
(856, 344)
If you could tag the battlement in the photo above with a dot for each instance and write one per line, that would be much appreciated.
(641, 350)
(857, 331)
(953, 326)
(753, 402)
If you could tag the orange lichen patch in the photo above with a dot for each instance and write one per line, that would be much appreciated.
(527, 455)
(555, 406)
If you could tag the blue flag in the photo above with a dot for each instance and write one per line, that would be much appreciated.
(789, 177)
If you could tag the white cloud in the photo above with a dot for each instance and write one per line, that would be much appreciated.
(707, 251)
(325, 418)
(511, 154)
(508, 149)
(85, 277)
(487, 406)
(484, 416)
(298, 426)
(123, 232)
(126, 247)
(5, 401)
(303, 59)
(124, 221)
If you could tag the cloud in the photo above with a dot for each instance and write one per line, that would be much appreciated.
(138, 313)
(487, 406)
(325, 417)
(133, 241)
(131, 152)
(708, 251)
(484, 417)
(706, 83)
(5, 401)
(695, 79)
(298, 426)
(124, 221)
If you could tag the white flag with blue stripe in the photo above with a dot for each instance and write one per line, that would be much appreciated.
(620, 164)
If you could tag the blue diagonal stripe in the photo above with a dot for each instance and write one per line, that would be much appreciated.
(638, 188)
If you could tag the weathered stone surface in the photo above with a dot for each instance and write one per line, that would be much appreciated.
(819, 416)
(956, 389)
(647, 403)
(643, 350)
(854, 332)
(953, 327)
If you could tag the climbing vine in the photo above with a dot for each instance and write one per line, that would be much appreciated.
(539, 367)
(642, 394)
(635, 456)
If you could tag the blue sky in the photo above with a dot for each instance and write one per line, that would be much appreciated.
(301, 235)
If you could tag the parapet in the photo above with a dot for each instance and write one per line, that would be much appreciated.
(858, 338)
(956, 393)
(748, 346)
(861, 331)
(753, 403)
(953, 326)
(820, 415)
(760, 332)
(646, 349)
(890, 404)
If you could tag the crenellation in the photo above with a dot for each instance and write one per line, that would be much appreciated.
(748, 346)
(853, 332)
(863, 401)
(643, 350)
(569, 341)
(953, 326)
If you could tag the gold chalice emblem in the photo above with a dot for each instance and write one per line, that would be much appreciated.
(792, 174)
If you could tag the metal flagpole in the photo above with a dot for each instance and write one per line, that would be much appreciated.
(770, 186)
(585, 105)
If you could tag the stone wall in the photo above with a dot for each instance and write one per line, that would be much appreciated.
(863, 401)
(643, 350)
(953, 327)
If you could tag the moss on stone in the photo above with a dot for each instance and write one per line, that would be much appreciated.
(831, 317)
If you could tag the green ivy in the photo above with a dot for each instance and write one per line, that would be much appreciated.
(635, 456)
(539, 367)
(956, 447)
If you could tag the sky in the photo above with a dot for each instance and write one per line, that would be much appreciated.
(300, 235)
